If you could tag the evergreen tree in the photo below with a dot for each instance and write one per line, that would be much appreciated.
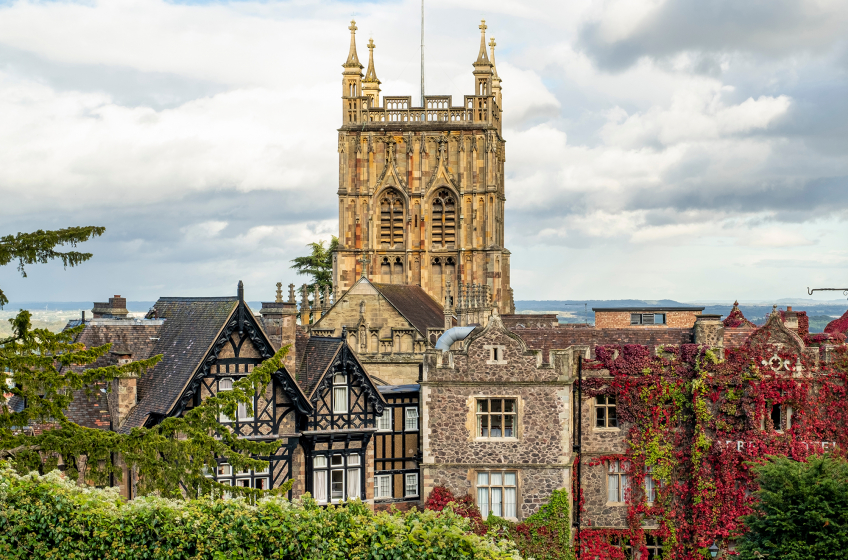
(802, 511)
(40, 371)
(318, 265)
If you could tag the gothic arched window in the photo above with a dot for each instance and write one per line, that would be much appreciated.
(444, 219)
(391, 218)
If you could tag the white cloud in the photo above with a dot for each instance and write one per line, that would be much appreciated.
(232, 169)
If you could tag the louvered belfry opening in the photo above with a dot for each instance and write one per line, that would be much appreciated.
(391, 218)
(444, 219)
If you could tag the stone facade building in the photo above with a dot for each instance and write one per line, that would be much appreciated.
(421, 188)
(497, 420)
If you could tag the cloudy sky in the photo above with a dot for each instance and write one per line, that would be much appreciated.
(684, 149)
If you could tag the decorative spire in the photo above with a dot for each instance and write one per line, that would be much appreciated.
(279, 298)
(482, 58)
(291, 293)
(352, 58)
(371, 75)
(492, 45)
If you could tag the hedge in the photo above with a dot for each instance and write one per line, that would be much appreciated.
(50, 517)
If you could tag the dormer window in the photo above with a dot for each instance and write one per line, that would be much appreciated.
(339, 393)
(225, 384)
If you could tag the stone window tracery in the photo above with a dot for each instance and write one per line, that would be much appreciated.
(391, 218)
(443, 223)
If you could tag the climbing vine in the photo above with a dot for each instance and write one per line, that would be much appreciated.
(700, 420)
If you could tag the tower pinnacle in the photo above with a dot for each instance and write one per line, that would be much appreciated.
(371, 85)
(481, 56)
(352, 58)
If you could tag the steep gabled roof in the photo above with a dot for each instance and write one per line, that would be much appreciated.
(316, 357)
(416, 305)
(191, 326)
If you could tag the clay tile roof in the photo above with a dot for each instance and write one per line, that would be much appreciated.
(190, 328)
(414, 304)
(317, 355)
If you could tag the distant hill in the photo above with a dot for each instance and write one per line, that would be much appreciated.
(580, 311)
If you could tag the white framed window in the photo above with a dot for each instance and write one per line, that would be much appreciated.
(384, 422)
(319, 478)
(342, 475)
(225, 469)
(225, 384)
(410, 487)
(650, 486)
(618, 482)
(383, 486)
(411, 420)
(339, 393)
(337, 484)
(243, 414)
(496, 493)
(261, 483)
(496, 418)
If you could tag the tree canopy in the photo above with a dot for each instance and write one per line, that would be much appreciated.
(318, 264)
(41, 372)
(40, 247)
(802, 510)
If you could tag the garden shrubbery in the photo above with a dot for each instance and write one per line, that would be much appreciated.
(50, 517)
(545, 535)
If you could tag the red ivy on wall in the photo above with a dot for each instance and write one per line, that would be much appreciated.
(699, 422)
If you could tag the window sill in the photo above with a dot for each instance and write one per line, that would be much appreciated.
(411, 496)
(497, 439)
(618, 504)
(606, 429)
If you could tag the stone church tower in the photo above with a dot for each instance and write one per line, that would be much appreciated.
(421, 189)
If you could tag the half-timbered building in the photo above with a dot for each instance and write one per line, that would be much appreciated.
(322, 407)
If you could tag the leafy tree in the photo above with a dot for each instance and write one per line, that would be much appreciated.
(40, 247)
(802, 512)
(319, 264)
(41, 370)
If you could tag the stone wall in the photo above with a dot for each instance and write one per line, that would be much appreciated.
(595, 443)
(540, 451)
(383, 340)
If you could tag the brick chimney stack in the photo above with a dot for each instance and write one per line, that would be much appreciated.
(124, 395)
(790, 319)
(116, 308)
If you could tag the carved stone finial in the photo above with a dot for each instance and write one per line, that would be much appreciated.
(482, 27)
(279, 298)
(326, 297)
(353, 27)
(291, 293)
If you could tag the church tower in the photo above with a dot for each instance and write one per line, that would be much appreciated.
(421, 189)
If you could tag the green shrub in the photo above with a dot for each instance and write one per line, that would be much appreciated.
(50, 517)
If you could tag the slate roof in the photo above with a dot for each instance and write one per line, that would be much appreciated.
(414, 304)
(316, 356)
(135, 337)
(190, 328)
